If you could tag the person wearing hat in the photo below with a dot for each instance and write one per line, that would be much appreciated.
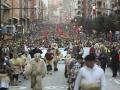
(57, 57)
(16, 67)
(37, 70)
(90, 76)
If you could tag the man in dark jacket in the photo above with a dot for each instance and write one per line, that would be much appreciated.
(103, 60)
(35, 50)
(114, 61)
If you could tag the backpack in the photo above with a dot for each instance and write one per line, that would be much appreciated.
(49, 67)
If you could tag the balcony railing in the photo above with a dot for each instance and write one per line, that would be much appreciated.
(116, 8)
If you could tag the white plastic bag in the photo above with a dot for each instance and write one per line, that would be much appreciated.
(4, 85)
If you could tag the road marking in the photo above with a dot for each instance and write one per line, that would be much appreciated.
(119, 80)
(55, 87)
(111, 79)
(116, 81)
(22, 88)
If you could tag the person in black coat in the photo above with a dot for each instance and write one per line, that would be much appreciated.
(103, 60)
(114, 61)
(1, 52)
(35, 50)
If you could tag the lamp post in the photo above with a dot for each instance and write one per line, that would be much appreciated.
(94, 10)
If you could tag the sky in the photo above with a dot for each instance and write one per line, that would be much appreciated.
(46, 1)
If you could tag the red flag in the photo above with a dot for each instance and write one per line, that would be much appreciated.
(59, 30)
(110, 36)
(77, 29)
(45, 34)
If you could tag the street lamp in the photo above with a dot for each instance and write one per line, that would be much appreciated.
(75, 20)
(94, 7)
(94, 10)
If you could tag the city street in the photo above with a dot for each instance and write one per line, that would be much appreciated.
(56, 81)
(38, 34)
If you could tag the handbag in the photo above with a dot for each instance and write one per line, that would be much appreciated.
(49, 67)
(4, 82)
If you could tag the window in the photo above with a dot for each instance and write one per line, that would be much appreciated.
(78, 13)
(113, 5)
(119, 3)
(79, 7)
(79, 2)
(99, 4)
(99, 13)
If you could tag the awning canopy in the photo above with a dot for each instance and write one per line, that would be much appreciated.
(13, 20)
(5, 6)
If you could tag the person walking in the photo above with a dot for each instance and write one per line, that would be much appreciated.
(90, 76)
(16, 67)
(49, 60)
(57, 57)
(103, 59)
(37, 70)
(114, 61)
(4, 74)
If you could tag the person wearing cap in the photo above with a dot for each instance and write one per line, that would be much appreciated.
(37, 71)
(90, 76)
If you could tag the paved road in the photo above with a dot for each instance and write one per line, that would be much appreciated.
(58, 82)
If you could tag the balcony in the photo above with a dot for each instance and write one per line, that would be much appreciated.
(6, 5)
(116, 8)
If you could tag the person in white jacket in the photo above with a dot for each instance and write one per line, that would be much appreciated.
(37, 71)
(90, 76)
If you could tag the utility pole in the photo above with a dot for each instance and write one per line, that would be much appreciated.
(0, 13)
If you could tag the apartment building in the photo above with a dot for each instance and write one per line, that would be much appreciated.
(9, 13)
(20, 11)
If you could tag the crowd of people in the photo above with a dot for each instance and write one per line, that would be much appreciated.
(25, 62)
(22, 60)
(85, 57)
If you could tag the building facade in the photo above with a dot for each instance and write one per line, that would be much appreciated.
(79, 10)
(109, 7)
(82, 8)
(100, 7)
(104, 7)
(22, 11)
(5, 10)
(116, 6)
